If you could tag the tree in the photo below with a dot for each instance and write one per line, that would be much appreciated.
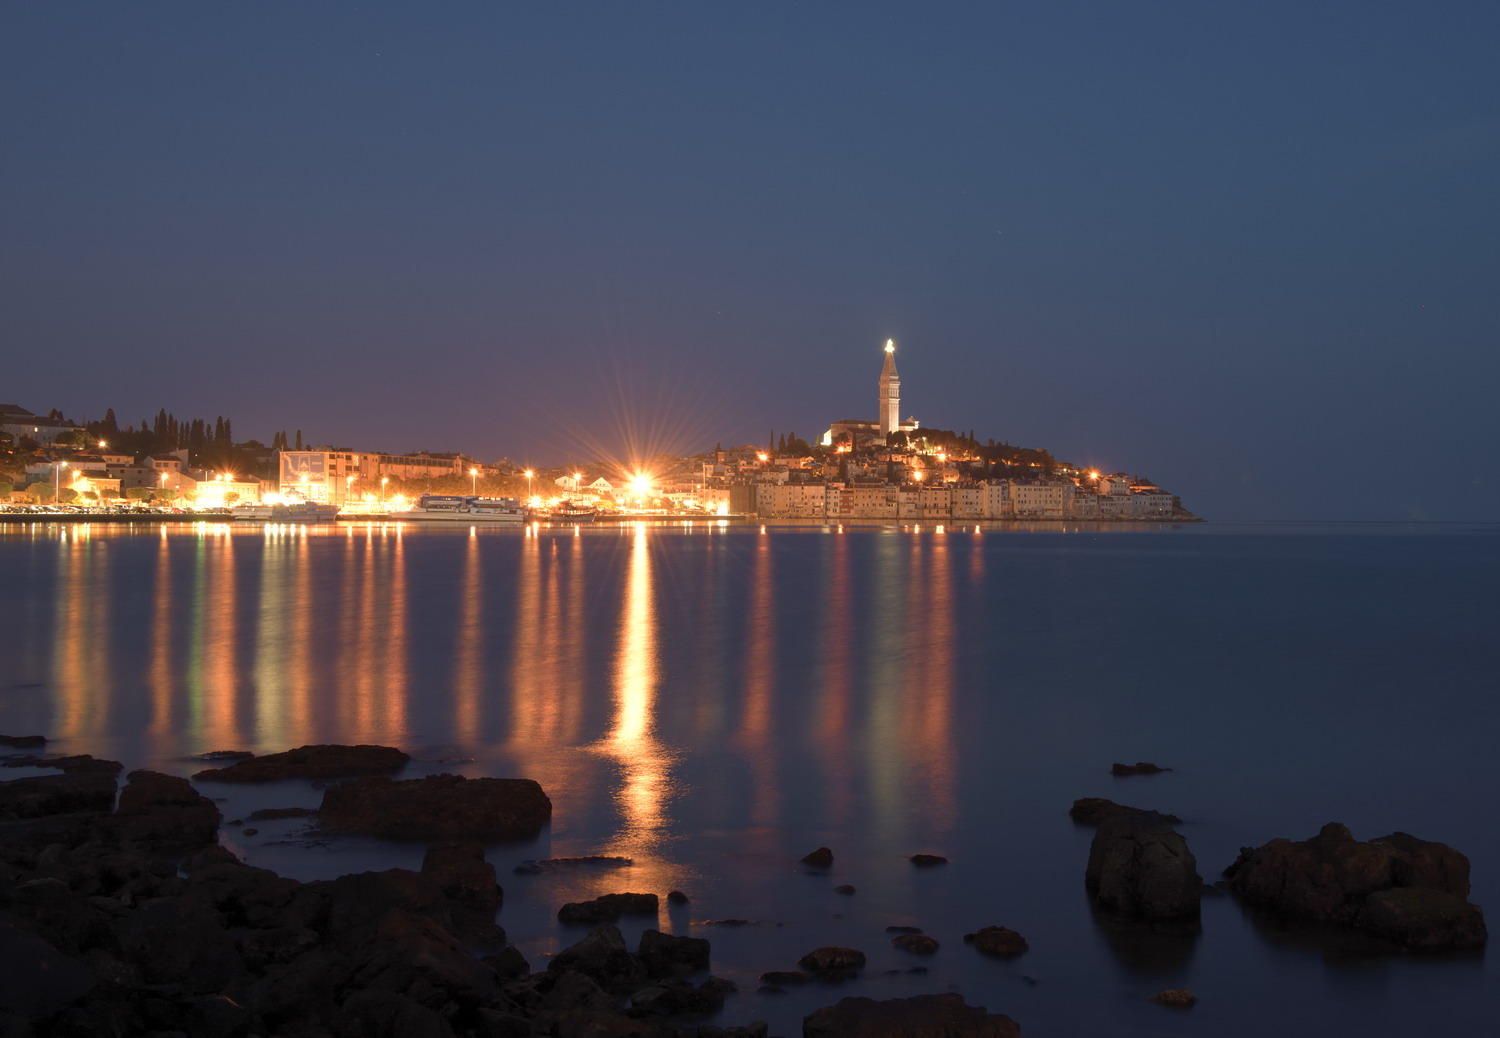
(109, 424)
(299, 439)
(139, 493)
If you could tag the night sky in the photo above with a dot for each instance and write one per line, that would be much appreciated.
(1250, 251)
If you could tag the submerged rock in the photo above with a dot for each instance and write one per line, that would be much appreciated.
(1175, 998)
(833, 963)
(23, 742)
(271, 814)
(822, 858)
(926, 1016)
(916, 943)
(607, 908)
(782, 978)
(535, 867)
(1139, 866)
(999, 942)
(844, 888)
(310, 762)
(437, 807)
(1140, 767)
(1410, 891)
(1097, 810)
(928, 860)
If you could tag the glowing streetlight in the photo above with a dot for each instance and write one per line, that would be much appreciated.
(529, 474)
(57, 480)
(473, 480)
(577, 481)
(383, 481)
(103, 444)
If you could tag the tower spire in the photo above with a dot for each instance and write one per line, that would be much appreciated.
(889, 400)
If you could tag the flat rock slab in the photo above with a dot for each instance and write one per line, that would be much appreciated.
(24, 742)
(438, 807)
(1098, 810)
(311, 762)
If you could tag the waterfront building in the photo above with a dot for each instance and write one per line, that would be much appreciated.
(21, 424)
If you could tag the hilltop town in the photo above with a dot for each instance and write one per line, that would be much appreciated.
(888, 467)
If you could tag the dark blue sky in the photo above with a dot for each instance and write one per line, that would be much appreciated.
(1250, 250)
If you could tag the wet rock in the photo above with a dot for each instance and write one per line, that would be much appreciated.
(1000, 942)
(532, 867)
(676, 897)
(1175, 998)
(928, 860)
(607, 908)
(249, 832)
(23, 742)
(822, 858)
(833, 963)
(926, 1016)
(1097, 810)
(180, 941)
(467, 880)
(782, 978)
(1140, 767)
(165, 812)
(271, 814)
(1401, 888)
(1138, 866)
(508, 963)
(383, 1014)
(86, 785)
(438, 807)
(680, 998)
(844, 888)
(219, 756)
(569, 990)
(916, 943)
(310, 762)
(903, 929)
(243, 894)
(603, 957)
(667, 955)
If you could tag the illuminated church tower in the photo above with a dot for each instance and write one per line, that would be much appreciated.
(889, 413)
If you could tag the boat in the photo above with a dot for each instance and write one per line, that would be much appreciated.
(289, 512)
(573, 512)
(453, 508)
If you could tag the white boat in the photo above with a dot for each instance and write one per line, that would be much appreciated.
(451, 508)
(290, 512)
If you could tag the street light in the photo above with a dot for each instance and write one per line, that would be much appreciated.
(383, 481)
(57, 480)
(473, 480)
(529, 474)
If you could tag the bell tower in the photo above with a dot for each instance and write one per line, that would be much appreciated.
(889, 407)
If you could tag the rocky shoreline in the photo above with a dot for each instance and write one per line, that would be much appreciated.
(120, 914)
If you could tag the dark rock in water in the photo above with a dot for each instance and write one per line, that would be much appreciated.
(532, 867)
(271, 814)
(38, 978)
(926, 1016)
(1097, 810)
(1401, 888)
(508, 963)
(23, 742)
(1138, 768)
(249, 832)
(607, 908)
(833, 963)
(781, 978)
(666, 955)
(916, 943)
(86, 785)
(676, 897)
(903, 929)
(310, 762)
(822, 858)
(468, 882)
(928, 860)
(1139, 866)
(1175, 998)
(680, 998)
(603, 958)
(844, 888)
(1001, 942)
(437, 807)
(729, 922)
(219, 756)
(165, 812)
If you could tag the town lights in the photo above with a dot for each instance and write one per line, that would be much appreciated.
(762, 456)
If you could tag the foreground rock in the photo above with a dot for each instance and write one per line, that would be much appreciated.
(1410, 891)
(438, 807)
(1140, 767)
(926, 1016)
(310, 762)
(666, 955)
(1097, 810)
(607, 908)
(1138, 866)
(165, 812)
(467, 880)
(1000, 942)
(86, 784)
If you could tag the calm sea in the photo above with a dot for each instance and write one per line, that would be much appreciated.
(716, 701)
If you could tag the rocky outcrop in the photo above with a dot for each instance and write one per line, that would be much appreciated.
(86, 784)
(438, 807)
(833, 963)
(926, 1016)
(1140, 767)
(310, 762)
(999, 942)
(604, 959)
(1138, 866)
(23, 742)
(607, 908)
(667, 955)
(822, 858)
(1410, 891)
(165, 812)
(1097, 810)
(467, 881)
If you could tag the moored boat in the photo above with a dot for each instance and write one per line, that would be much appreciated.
(453, 508)
(573, 512)
(288, 512)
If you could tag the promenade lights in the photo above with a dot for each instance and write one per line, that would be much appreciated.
(473, 480)
(528, 475)
(57, 480)
(383, 481)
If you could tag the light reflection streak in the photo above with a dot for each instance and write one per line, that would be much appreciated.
(220, 680)
(468, 673)
(760, 668)
(159, 674)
